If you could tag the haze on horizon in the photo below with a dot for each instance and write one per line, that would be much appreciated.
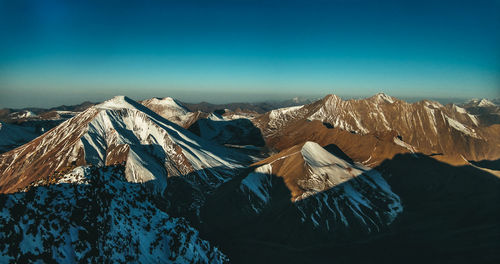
(65, 52)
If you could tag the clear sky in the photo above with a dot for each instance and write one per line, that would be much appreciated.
(56, 52)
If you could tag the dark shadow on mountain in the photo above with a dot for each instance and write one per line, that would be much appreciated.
(219, 112)
(328, 125)
(230, 221)
(276, 231)
(78, 219)
(335, 150)
(185, 194)
(252, 231)
(488, 164)
(450, 215)
(232, 132)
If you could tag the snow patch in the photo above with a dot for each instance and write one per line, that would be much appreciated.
(461, 127)
(404, 145)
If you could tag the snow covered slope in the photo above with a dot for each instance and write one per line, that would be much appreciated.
(120, 131)
(329, 192)
(94, 215)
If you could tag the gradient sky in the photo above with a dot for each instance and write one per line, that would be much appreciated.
(56, 52)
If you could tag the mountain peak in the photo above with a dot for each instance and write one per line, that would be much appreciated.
(164, 100)
(170, 109)
(331, 100)
(332, 97)
(485, 102)
(117, 102)
(383, 97)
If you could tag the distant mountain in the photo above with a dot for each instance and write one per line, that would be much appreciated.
(261, 107)
(424, 126)
(479, 103)
(32, 122)
(74, 108)
(486, 111)
(32, 113)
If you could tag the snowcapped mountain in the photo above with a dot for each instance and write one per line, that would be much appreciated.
(329, 192)
(486, 111)
(124, 181)
(118, 131)
(480, 103)
(93, 215)
(485, 102)
(425, 126)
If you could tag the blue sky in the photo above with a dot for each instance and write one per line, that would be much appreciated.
(63, 52)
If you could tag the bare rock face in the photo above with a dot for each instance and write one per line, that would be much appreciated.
(119, 131)
(93, 215)
(426, 126)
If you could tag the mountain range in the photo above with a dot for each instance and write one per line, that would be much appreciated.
(361, 180)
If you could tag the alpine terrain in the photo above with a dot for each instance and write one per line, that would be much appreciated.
(376, 180)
